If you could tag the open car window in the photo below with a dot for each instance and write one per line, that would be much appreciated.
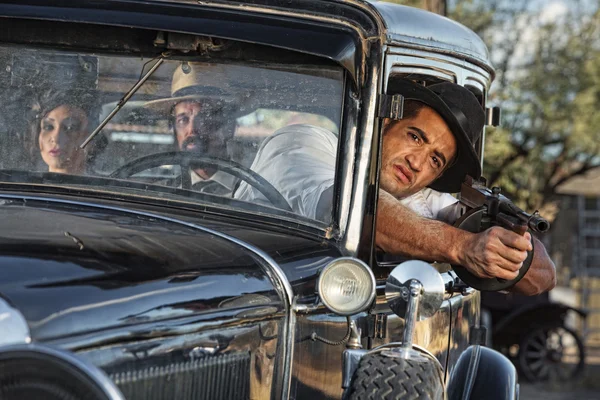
(187, 112)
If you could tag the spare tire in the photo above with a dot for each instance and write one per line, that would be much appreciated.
(384, 377)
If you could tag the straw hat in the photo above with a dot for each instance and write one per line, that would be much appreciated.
(194, 81)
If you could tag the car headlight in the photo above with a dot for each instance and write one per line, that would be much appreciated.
(346, 286)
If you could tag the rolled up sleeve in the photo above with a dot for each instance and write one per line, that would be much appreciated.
(429, 203)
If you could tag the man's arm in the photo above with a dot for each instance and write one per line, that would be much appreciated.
(541, 276)
(496, 252)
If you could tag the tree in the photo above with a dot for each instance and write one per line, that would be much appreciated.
(436, 6)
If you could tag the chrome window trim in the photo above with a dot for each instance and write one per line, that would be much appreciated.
(363, 141)
(347, 148)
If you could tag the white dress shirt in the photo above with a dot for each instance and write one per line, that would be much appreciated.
(299, 161)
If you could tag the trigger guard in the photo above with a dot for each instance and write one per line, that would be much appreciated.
(471, 222)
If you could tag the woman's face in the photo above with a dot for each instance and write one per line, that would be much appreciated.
(61, 131)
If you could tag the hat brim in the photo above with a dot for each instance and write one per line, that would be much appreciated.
(164, 106)
(466, 161)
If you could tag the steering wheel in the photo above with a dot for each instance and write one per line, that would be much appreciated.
(475, 222)
(187, 159)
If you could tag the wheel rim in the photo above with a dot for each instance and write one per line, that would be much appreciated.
(554, 354)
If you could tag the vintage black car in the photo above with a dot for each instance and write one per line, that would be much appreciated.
(121, 278)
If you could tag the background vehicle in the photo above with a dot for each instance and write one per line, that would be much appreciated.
(121, 285)
(536, 335)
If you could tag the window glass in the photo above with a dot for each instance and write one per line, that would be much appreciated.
(191, 131)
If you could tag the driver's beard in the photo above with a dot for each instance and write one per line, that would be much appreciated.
(211, 147)
(200, 144)
(202, 147)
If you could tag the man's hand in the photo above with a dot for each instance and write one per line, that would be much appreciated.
(495, 253)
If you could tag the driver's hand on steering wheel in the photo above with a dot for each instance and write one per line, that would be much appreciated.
(496, 253)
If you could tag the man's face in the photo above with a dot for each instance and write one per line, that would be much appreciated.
(415, 152)
(198, 131)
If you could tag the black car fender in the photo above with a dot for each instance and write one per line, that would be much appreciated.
(483, 373)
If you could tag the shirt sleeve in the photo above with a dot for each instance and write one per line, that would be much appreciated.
(437, 201)
(429, 203)
(299, 161)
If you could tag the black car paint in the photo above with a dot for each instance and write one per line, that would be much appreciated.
(73, 269)
(483, 373)
(109, 308)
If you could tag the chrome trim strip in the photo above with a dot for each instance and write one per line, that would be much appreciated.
(275, 272)
(13, 325)
(91, 371)
(365, 167)
(347, 147)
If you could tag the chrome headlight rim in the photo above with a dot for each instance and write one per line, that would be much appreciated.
(332, 264)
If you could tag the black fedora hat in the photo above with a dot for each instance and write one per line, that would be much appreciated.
(465, 117)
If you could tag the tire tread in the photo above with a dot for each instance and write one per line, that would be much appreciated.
(391, 378)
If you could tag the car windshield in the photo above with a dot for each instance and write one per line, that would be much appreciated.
(191, 131)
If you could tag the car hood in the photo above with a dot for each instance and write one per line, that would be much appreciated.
(75, 270)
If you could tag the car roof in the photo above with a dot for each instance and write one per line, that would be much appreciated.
(399, 25)
(409, 26)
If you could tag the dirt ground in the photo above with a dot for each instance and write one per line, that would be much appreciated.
(586, 387)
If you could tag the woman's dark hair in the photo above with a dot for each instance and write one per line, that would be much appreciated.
(48, 100)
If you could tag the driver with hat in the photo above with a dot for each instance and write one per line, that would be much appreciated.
(196, 113)
(425, 156)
